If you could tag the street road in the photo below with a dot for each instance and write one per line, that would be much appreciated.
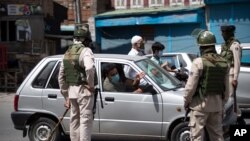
(7, 131)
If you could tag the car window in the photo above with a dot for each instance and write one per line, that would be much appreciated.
(172, 60)
(245, 58)
(123, 85)
(53, 82)
(182, 61)
(163, 79)
(42, 77)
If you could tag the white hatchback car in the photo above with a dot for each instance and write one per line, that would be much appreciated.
(158, 113)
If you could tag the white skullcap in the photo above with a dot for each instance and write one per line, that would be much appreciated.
(135, 39)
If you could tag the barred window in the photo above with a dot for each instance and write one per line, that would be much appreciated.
(136, 3)
(176, 2)
(156, 3)
(120, 4)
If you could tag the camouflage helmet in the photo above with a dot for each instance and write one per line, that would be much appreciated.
(80, 33)
(206, 38)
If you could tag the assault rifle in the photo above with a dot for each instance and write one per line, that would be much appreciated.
(186, 114)
(235, 100)
(97, 90)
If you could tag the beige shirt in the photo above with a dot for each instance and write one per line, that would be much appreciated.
(235, 69)
(110, 87)
(211, 103)
(86, 59)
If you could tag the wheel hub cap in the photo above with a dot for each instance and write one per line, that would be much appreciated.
(43, 132)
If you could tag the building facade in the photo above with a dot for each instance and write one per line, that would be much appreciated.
(33, 29)
(22, 41)
(167, 21)
(88, 9)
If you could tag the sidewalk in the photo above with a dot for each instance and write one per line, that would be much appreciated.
(2, 94)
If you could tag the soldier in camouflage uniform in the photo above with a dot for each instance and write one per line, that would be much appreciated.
(76, 80)
(206, 90)
(231, 51)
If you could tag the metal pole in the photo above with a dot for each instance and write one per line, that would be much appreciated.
(207, 16)
(78, 20)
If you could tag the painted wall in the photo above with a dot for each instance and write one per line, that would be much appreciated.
(116, 39)
(175, 37)
(231, 13)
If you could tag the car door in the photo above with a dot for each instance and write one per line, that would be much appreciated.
(127, 113)
(53, 101)
(243, 96)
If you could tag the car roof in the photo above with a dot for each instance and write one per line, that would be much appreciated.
(243, 45)
(172, 53)
(112, 56)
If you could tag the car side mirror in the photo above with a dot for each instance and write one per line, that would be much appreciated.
(148, 89)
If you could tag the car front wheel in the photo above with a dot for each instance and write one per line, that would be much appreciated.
(41, 129)
(181, 132)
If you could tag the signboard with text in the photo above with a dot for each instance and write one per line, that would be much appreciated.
(23, 9)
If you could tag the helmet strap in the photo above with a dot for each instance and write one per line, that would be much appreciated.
(207, 49)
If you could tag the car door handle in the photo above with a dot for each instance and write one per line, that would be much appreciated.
(109, 99)
(52, 95)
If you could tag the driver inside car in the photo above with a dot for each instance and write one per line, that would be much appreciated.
(115, 81)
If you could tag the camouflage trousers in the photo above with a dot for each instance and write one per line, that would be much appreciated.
(212, 121)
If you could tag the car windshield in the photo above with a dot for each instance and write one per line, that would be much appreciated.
(162, 78)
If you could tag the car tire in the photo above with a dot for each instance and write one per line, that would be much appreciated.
(41, 129)
(181, 132)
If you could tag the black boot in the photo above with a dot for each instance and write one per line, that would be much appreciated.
(240, 121)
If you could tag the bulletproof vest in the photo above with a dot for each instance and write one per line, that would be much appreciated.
(213, 76)
(74, 73)
(226, 53)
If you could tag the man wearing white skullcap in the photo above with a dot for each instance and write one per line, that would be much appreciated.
(136, 50)
(135, 39)
(137, 46)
